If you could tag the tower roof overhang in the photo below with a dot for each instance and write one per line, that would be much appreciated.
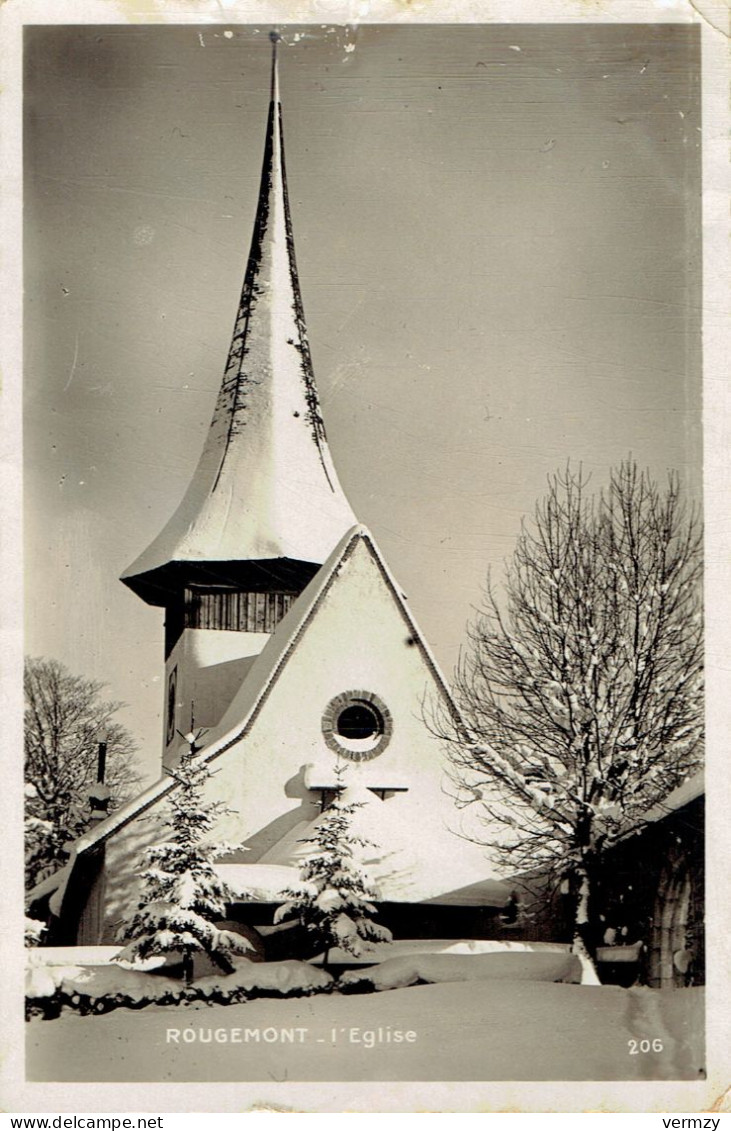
(159, 585)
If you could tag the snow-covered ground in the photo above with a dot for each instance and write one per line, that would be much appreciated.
(484, 1030)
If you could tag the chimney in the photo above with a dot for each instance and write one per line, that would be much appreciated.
(99, 794)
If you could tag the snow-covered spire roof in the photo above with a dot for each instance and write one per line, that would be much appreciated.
(265, 487)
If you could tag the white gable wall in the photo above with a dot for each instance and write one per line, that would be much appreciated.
(356, 640)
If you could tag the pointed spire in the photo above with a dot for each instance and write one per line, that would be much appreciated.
(265, 488)
(275, 39)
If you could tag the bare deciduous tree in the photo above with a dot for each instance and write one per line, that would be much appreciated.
(65, 720)
(581, 697)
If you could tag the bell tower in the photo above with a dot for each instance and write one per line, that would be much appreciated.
(264, 508)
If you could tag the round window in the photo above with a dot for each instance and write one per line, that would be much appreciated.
(357, 724)
(359, 720)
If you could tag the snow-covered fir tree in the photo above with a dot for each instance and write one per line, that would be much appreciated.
(335, 901)
(182, 896)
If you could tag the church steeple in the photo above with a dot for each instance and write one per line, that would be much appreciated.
(264, 507)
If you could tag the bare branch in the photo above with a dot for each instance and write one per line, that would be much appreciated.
(581, 691)
(65, 719)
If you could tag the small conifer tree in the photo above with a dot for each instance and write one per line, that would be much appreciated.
(182, 896)
(334, 901)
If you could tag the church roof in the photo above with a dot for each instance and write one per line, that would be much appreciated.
(265, 487)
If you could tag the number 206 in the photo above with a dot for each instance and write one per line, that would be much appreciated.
(636, 1047)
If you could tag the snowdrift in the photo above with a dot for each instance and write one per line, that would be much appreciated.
(400, 947)
(97, 989)
(408, 970)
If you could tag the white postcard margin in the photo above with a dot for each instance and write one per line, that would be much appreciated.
(712, 1094)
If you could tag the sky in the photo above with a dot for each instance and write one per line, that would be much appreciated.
(498, 238)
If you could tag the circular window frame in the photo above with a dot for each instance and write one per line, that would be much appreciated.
(340, 744)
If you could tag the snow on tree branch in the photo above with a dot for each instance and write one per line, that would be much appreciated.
(334, 900)
(182, 896)
(581, 691)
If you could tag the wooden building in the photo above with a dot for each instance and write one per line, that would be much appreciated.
(652, 896)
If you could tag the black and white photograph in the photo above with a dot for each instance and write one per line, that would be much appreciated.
(364, 709)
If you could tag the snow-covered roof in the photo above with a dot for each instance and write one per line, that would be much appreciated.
(261, 883)
(380, 823)
(489, 892)
(265, 487)
(372, 819)
(48, 886)
(677, 799)
(71, 955)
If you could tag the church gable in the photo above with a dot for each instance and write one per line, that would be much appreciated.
(346, 682)
(352, 687)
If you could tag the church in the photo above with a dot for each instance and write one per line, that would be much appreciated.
(289, 644)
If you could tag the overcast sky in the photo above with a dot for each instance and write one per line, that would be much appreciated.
(497, 231)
